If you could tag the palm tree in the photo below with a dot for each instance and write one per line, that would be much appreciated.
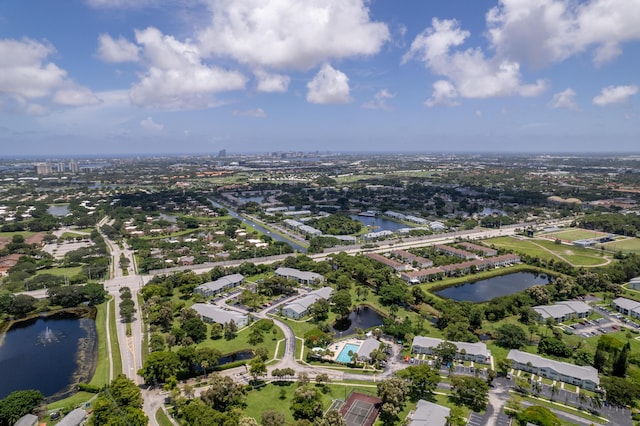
(555, 389)
(204, 364)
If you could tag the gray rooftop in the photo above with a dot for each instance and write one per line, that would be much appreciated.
(368, 346)
(74, 418)
(478, 348)
(571, 370)
(301, 305)
(429, 414)
(218, 314)
(27, 420)
(301, 275)
(221, 283)
(562, 309)
(627, 303)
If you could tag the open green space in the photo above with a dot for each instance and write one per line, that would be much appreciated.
(61, 272)
(628, 245)
(101, 374)
(11, 234)
(269, 398)
(72, 402)
(560, 407)
(115, 346)
(545, 249)
(73, 235)
(162, 418)
(574, 234)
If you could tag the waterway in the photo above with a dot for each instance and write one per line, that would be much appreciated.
(379, 224)
(51, 354)
(363, 317)
(484, 290)
(259, 227)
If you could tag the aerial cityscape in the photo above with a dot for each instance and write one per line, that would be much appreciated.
(319, 213)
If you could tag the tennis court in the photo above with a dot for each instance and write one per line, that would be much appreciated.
(360, 409)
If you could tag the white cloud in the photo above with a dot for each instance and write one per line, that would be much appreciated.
(564, 99)
(120, 50)
(149, 125)
(546, 31)
(269, 82)
(470, 74)
(26, 76)
(379, 100)
(329, 86)
(615, 95)
(478, 113)
(292, 34)
(176, 76)
(444, 93)
(256, 113)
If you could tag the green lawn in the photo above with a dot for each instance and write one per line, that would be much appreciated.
(533, 247)
(162, 418)
(268, 398)
(115, 346)
(563, 408)
(101, 374)
(240, 342)
(66, 235)
(60, 272)
(11, 234)
(72, 402)
(574, 234)
(628, 245)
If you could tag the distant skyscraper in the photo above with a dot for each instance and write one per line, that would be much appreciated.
(73, 167)
(43, 168)
(222, 153)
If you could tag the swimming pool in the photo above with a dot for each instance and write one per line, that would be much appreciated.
(344, 353)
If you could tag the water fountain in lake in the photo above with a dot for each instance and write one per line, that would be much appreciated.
(49, 337)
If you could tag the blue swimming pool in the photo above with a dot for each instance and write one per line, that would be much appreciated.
(344, 353)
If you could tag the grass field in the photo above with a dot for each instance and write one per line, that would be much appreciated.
(574, 234)
(59, 272)
(101, 374)
(628, 245)
(162, 418)
(545, 249)
(115, 346)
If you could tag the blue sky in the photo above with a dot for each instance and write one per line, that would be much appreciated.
(195, 76)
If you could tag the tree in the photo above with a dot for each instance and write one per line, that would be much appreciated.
(17, 404)
(94, 293)
(331, 418)
(513, 406)
(620, 391)
(257, 368)
(255, 336)
(230, 330)
(223, 393)
(159, 366)
(621, 361)
(341, 303)
(319, 310)
(247, 421)
(195, 329)
(422, 380)
(22, 304)
(470, 391)
(216, 331)
(272, 418)
(127, 310)
(445, 352)
(393, 393)
(306, 403)
(120, 404)
(510, 336)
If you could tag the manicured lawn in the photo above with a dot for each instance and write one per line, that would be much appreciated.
(563, 408)
(534, 247)
(240, 342)
(162, 418)
(268, 398)
(574, 234)
(628, 245)
(11, 234)
(66, 235)
(73, 401)
(60, 272)
(101, 374)
(115, 346)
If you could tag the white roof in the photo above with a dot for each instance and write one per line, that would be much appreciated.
(221, 283)
(562, 309)
(477, 348)
(429, 414)
(218, 314)
(583, 372)
(302, 275)
(625, 303)
(302, 304)
(74, 418)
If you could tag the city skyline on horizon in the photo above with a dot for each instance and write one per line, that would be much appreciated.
(190, 77)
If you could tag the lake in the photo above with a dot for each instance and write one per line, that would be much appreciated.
(379, 224)
(51, 354)
(484, 290)
(363, 317)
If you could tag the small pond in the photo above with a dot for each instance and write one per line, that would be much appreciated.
(379, 224)
(51, 354)
(484, 290)
(236, 356)
(363, 317)
(58, 210)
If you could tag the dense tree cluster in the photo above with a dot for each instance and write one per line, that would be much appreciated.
(17, 404)
(119, 404)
